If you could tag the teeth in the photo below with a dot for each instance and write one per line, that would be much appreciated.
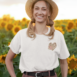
(39, 16)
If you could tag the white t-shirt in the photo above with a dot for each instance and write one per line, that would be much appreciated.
(36, 55)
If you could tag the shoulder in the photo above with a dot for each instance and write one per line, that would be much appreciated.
(57, 32)
(60, 35)
(22, 31)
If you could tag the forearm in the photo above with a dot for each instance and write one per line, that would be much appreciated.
(64, 69)
(9, 65)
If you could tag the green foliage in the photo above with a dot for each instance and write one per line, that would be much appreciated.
(6, 36)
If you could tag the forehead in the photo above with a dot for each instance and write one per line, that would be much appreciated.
(40, 4)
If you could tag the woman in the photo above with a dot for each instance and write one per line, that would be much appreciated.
(39, 57)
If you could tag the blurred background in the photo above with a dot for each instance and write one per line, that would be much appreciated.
(16, 8)
(13, 18)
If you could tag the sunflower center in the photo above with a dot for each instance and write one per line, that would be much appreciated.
(72, 64)
(76, 24)
(24, 19)
(16, 29)
(9, 27)
(70, 25)
(2, 24)
(3, 58)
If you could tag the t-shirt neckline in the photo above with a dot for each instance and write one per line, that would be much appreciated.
(45, 33)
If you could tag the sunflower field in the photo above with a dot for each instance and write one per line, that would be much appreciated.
(8, 29)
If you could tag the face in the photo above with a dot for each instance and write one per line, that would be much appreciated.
(40, 11)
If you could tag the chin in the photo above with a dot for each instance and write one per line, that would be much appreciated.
(40, 21)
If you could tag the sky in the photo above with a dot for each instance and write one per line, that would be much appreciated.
(16, 9)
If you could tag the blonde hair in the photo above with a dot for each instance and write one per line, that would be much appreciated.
(30, 30)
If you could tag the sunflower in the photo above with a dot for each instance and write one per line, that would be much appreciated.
(72, 63)
(76, 38)
(70, 26)
(2, 58)
(76, 25)
(17, 22)
(9, 26)
(8, 43)
(2, 24)
(15, 56)
(16, 29)
(24, 21)
(69, 71)
(60, 29)
(6, 17)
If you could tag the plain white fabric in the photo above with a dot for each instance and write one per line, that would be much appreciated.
(64, 53)
(16, 43)
(35, 55)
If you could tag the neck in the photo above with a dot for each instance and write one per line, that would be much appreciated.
(40, 28)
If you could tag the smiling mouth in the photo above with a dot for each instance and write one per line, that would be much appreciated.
(39, 17)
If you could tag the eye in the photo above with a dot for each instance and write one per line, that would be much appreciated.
(36, 8)
(44, 9)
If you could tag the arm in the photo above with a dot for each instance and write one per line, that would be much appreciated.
(64, 67)
(9, 63)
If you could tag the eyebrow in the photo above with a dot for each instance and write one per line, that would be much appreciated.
(42, 7)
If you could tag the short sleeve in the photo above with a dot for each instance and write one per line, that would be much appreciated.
(15, 43)
(64, 53)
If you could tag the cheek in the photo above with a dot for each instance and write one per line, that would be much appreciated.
(45, 13)
(35, 12)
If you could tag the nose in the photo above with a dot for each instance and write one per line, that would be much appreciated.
(40, 11)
